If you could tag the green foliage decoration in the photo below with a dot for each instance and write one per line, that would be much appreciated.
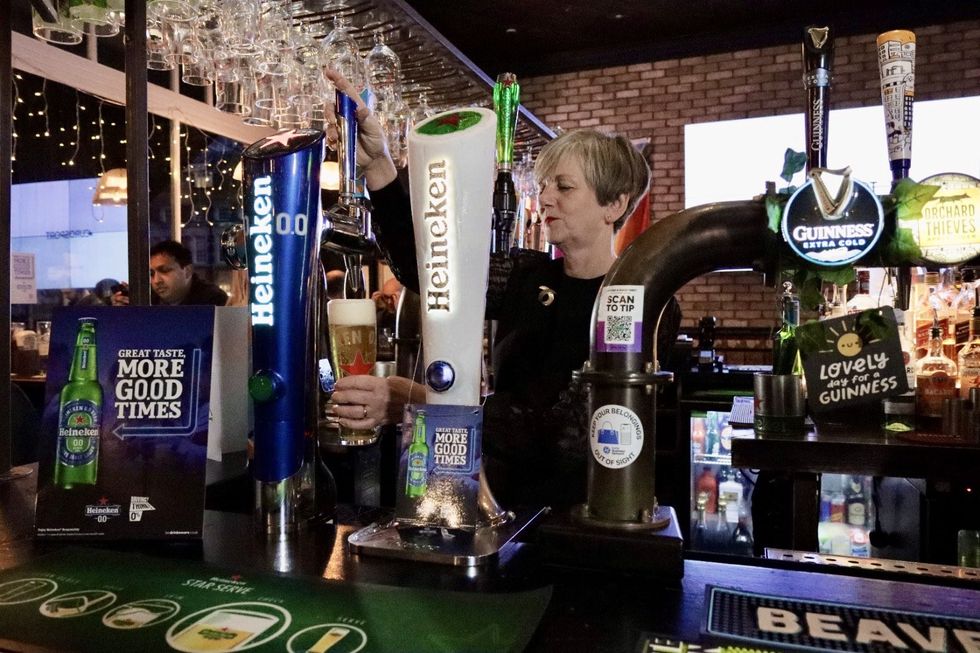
(905, 202)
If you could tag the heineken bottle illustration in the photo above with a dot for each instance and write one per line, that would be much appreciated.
(80, 414)
(418, 459)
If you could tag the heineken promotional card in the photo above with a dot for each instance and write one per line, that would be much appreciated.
(439, 476)
(124, 428)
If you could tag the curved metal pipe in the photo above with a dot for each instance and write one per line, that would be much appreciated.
(666, 256)
(679, 248)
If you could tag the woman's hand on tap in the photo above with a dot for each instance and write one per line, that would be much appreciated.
(372, 145)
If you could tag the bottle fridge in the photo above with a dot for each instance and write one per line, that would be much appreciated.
(721, 495)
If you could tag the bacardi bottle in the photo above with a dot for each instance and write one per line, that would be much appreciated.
(935, 381)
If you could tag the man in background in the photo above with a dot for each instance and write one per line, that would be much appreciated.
(174, 282)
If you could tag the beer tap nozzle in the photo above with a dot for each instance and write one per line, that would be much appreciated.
(504, 211)
(348, 222)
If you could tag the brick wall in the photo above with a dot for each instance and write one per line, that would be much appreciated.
(658, 98)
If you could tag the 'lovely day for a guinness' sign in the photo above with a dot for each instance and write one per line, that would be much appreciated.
(852, 360)
(832, 231)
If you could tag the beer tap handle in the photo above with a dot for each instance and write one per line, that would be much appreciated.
(347, 146)
(233, 249)
(348, 222)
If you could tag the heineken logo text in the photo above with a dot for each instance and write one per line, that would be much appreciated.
(436, 257)
(260, 265)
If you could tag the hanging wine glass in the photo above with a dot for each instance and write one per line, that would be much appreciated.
(93, 15)
(384, 70)
(342, 54)
(54, 24)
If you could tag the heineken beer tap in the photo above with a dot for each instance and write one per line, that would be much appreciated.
(451, 165)
(282, 216)
(506, 98)
(348, 222)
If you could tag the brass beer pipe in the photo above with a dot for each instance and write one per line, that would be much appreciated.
(672, 252)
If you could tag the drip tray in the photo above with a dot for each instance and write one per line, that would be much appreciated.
(876, 564)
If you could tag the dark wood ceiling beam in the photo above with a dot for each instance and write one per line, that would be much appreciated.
(6, 149)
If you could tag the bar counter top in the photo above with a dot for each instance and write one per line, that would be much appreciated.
(588, 610)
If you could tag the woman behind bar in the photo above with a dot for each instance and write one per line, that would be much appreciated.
(534, 435)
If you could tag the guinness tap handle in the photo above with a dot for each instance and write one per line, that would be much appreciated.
(818, 57)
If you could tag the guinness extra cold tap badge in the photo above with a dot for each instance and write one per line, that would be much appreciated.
(832, 229)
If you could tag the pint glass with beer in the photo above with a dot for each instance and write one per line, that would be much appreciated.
(353, 348)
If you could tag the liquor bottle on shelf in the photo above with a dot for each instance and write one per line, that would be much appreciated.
(712, 437)
(697, 436)
(908, 348)
(725, 440)
(785, 349)
(935, 380)
(862, 299)
(837, 304)
(707, 485)
(741, 542)
(731, 489)
(721, 524)
(969, 358)
(948, 285)
(855, 501)
(962, 309)
(706, 344)
(929, 308)
(700, 529)
(860, 544)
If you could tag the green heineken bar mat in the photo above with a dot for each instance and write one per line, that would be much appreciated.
(85, 600)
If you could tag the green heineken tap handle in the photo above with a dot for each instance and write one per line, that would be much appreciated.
(506, 99)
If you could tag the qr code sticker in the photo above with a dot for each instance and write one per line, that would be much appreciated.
(619, 329)
(22, 267)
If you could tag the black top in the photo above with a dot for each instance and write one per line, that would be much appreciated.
(534, 435)
(536, 349)
(202, 293)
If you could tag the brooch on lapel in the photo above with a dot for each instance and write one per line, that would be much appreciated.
(546, 295)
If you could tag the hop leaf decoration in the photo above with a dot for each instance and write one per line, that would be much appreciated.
(811, 337)
(774, 211)
(910, 197)
(902, 247)
(793, 162)
(809, 282)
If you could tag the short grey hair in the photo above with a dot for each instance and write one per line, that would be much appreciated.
(612, 166)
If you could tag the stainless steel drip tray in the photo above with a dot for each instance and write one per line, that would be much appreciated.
(441, 546)
(880, 565)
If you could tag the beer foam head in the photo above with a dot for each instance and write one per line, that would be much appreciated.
(352, 312)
